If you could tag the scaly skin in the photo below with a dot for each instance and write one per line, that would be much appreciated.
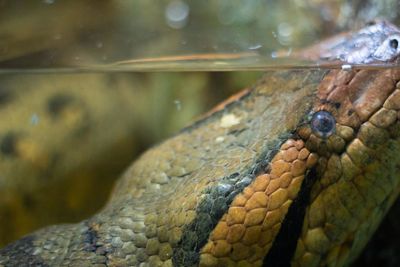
(250, 185)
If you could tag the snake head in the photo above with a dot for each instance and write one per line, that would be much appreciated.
(378, 42)
(389, 49)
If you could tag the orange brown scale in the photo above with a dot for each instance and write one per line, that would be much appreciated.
(246, 232)
(347, 200)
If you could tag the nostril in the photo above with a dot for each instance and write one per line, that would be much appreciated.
(394, 43)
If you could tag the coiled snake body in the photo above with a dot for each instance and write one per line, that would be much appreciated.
(298, 170)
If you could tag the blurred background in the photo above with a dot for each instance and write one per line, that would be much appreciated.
(117, 33)
(86, 86)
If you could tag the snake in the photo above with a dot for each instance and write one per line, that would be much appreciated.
(297, 170)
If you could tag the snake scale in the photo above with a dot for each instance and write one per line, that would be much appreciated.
(296, 171)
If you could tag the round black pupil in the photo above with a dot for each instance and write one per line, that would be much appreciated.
(324, 124)
(394, 43)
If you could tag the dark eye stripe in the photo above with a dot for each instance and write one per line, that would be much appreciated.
(284, 246)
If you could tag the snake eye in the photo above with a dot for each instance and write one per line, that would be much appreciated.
(323, 123)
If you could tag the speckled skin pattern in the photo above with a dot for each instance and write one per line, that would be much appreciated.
(249, 185)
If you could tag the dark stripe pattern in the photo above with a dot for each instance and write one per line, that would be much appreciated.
(22, 253)
(284, 246)
(214, 205)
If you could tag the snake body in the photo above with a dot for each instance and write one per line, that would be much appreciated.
(252, 184)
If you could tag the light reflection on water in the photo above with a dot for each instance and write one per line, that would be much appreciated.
(250, 61)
